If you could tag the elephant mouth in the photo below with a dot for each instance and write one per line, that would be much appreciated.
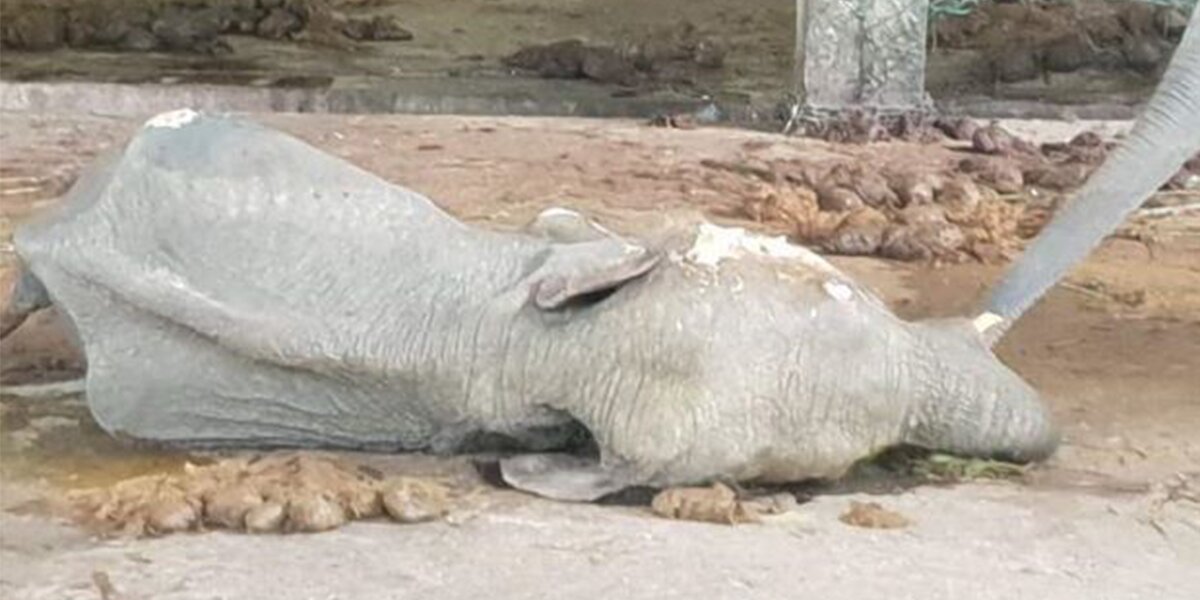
(565, 435)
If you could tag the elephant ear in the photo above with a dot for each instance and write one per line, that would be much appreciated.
(576, 272)
(563, 476)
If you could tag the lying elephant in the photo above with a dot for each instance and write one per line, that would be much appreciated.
(234, 286)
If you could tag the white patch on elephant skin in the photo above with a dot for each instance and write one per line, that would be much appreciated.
(986, 321)
(714, 244)
(172, 119)
(838, 290)
(558, 211)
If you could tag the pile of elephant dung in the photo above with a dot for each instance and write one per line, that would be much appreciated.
(1029, 40)
(852, 209)
(976, 207)
(719, 504)
(196, 27)
(1053, 166)
(666, 56)
(285, 492)
(873, 515)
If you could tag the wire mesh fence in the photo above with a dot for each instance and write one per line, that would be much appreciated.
(939, 9)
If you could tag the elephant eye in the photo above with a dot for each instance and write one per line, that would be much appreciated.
(589, 299)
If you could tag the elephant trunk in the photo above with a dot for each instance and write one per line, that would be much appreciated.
(1166, 135)
(970, 404)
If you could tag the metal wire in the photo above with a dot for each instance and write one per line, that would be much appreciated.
(951, 8)
(939, 9)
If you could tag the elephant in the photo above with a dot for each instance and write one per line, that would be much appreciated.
(233, 286)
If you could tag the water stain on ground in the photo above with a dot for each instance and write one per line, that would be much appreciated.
(56, 440)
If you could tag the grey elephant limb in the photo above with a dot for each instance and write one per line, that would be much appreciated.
(234, 286)
(1164, 137)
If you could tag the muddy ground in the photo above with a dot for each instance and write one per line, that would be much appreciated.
(1115, 350)
(1084, 52)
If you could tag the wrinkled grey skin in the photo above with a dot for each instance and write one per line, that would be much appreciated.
(234, 286)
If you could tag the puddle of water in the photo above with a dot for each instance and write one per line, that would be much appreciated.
(55, 440)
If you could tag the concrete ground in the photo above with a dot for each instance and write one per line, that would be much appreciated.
(1114, 514)
(973, 541)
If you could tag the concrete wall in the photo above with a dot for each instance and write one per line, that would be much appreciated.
(861, 52)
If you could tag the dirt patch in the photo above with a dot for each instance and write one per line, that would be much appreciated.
(42, 349)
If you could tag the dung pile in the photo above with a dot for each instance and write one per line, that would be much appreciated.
(183, 26)
(852, 209)
(285, 492)
(1029, 40)
(1054, 166)
(980, 204)
(671, 55)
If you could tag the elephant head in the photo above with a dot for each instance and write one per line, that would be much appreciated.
(748, 358)
(958, 396)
